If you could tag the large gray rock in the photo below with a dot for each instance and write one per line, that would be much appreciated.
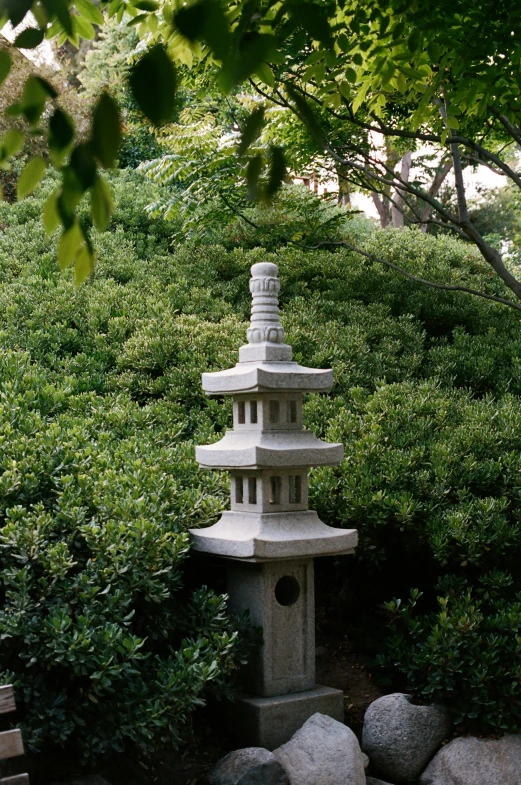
(400, 737)
(474, 761)
(250, 766)
(374, 781)
(323, 751)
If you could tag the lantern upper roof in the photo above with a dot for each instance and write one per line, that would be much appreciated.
(265, 362)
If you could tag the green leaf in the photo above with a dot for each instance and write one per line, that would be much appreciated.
(89, 11)
(351, 75)
(83, 28)
(452, 122)
(153, 84)
(83, 165)
(30, 176)
(413, 42)
(206, 21)
(265, 74)
(70, 242)
(106, 131)
(29, 38)
(255, 51)
(315, 20)
(146, 5)
(434, 51)
(50, 214)
(277, 171)
(5, 65)
(84, 265)
(16, 9)
(251, 129)
(61, 134)
(306, 113)
(12, 143)
(60, 10)
(253, 171)
(35, 93)
(101, 204)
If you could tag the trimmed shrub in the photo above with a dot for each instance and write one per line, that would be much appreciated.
(101, 407)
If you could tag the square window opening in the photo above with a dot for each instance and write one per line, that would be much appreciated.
(275, 489)
(292, 411)
(241, 412)
(239, 490)
(252, 490)
(253, 412)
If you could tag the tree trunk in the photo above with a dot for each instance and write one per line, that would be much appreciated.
(398, 205)
(438, 180)
(382, 205)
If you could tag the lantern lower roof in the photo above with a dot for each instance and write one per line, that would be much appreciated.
(268, 449)
(257, 377)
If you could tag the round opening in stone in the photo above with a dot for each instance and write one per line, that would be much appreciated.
(287, 590)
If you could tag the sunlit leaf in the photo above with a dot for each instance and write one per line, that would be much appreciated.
(89, 11)
(50, 214)
(12, 143)
(101, 204)
(70, 243)
(30, 176)
(84, 264)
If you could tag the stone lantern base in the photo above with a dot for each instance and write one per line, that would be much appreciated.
(270, 722)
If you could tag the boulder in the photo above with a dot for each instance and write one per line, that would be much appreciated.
(365, 759)
(323, 751)
(400, 737)
(471, 761)
(249, 766)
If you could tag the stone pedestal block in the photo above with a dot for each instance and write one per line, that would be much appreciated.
(271, 722)
(280, 598)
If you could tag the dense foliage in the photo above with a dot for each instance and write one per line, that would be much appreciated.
(101, 407)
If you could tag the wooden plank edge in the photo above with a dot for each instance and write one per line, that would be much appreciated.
(11, 744)
(7, 702)
(16, 779)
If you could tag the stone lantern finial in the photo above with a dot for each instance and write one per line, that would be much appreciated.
(265, 333)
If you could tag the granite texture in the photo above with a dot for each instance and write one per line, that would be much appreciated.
(286, 661)
(472, 761)
(249, 766)
(270, 722)
(400, 737)
(258, 536)
(323, 752)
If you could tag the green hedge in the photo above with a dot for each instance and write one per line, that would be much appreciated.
(101, 407)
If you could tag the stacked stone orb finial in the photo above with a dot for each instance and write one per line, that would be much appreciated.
(269, 537)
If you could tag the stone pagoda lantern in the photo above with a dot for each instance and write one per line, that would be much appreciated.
(269, 537)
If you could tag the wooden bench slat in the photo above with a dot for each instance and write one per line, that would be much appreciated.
(11, 744)
(16, 779)
(7, 703)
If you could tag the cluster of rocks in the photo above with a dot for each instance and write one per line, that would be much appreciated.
(401, 743)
